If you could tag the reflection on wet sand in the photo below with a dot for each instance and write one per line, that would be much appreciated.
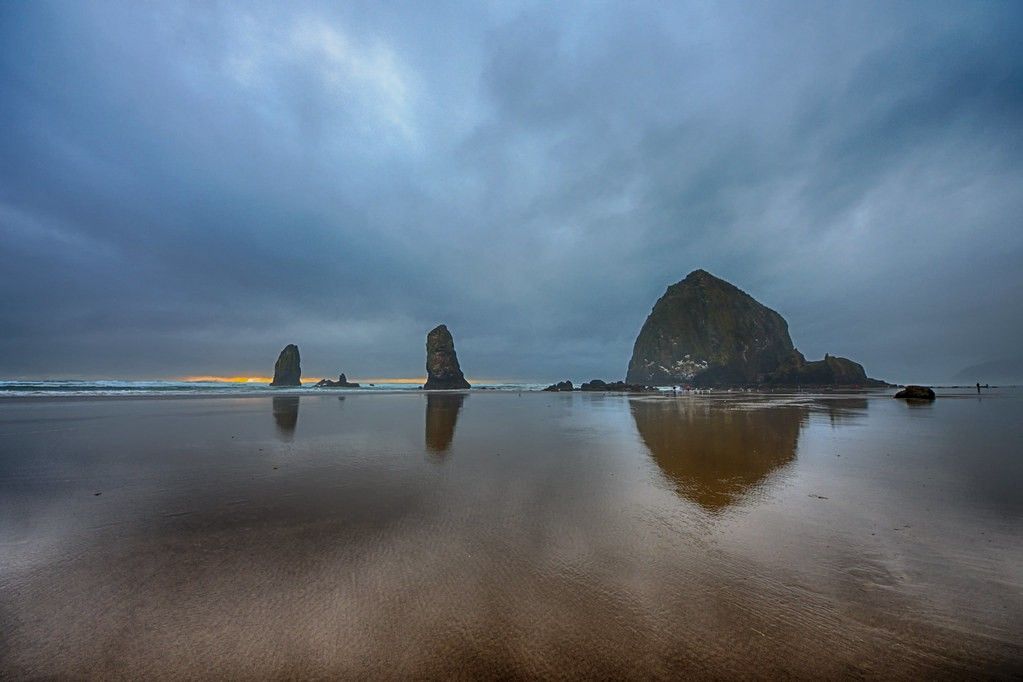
(714, 455)
(285, 410)
(441, 416)
(550, 547)
(842, 410)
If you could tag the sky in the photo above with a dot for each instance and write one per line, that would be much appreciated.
(185, 188)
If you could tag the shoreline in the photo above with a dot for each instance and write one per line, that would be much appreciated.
(660, 394)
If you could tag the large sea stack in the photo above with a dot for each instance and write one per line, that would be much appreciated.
(706, 332)
(288, 370)
(442, 370)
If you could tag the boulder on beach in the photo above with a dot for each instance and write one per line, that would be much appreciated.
(617, 386)
(916, 393)
(565, 385)
(288, 369)
(442, 370)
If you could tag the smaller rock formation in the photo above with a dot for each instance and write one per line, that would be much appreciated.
(916, 393)
(288, 370)
(442, 370)
(565, 385)
(831, 371)
(618, 386)
(342, 382)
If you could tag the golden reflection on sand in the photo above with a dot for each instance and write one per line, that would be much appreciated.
(714, 455)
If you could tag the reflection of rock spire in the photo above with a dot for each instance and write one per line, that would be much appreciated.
(713, 456)
(285, 410)
(441, 415)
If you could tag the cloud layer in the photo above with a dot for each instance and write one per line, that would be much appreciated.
(187, 188)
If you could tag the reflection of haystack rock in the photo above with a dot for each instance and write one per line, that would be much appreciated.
(712, 455)
(286, 414)
(441, 415)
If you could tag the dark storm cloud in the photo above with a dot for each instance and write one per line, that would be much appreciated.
(187, 187)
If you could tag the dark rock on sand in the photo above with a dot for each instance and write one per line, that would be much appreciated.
(442, 370)
(342, 382)
(288, 370)
(565, 385)
(916, 393)
(831, 371)
(619, 386)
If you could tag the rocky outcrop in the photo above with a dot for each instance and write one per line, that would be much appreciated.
(342, 382)
(706, 332)
(288, 370)
(618, 386)
(831, 371)
(600, 385)
(916, 393)
(442, 370)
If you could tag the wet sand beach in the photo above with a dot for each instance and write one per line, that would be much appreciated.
(502, 534)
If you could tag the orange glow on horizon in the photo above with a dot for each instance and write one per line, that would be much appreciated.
(240, 380)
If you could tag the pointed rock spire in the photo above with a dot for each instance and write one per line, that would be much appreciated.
(288, 370)
(442, 370)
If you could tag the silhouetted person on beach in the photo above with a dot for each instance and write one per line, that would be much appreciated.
(978, 387)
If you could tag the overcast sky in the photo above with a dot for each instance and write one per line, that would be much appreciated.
(187, 187)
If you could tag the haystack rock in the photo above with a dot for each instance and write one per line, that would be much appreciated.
(706, 332)
(442, 370)
(288, 370)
